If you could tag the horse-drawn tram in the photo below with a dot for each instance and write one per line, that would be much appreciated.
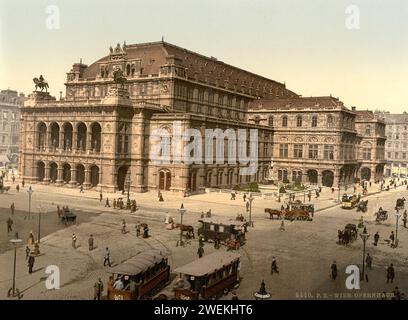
(140, 277)
(208, 277)
(222, 229)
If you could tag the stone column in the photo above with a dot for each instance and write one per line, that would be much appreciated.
(73, 181)
(61, 139)
(47, 174)
(87, 181)
(74, 140)
(60, 180)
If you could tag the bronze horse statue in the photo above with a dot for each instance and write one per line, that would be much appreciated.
(118, 77)
(41, 83)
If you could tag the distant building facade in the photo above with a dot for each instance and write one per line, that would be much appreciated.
(10, 103)
(396, 147)
(98, 136)
(318, 140)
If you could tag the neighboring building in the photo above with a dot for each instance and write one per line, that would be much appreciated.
(371, 153)
(99, 134)
(317, 140)
(10, 102)
(396, 147)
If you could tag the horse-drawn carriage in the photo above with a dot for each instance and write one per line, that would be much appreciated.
(294, 214)
(3, 188)
(309, 207)
(66, 215)
(349, 234)
(208, 277)
(140, 277)
(349, 201)
(400, 204)
(381, 215)
(218, 229)
(362, 206)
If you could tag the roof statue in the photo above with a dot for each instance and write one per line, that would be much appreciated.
(118, 77)
(41, 83)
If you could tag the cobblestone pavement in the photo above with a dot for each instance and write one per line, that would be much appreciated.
(304, 251)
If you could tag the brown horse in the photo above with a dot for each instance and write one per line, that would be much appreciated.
(188, 229)
(273, 212)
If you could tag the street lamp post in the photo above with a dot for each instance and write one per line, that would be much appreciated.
(364, 236)
(14, 292)
(39, 224)
(251, 198)
(397, 216)
(182, 212)
(338, 196)
(30, 192)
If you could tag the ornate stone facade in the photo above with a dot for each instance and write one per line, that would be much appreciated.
(98, 136)
(10, 102)
(318, 140)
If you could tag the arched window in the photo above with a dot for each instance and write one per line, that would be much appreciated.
(314, 121)
(284, 121)
(368, 130)
(299, 121)
(270, 121)
(329, 121)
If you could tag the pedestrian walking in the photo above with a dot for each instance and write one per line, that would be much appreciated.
(309, 196)
(137, 227)
(74, 239)
(282, 226)
(369, 261)
(244, 197)
(247, 206)
(200, 251)
(98, 289)
(123, 226)
(274, 266)
(392, 238)
(404, 221)
(332, 189)
(27, 251)
(107, 257)
(9, 225)
(18, 188)
(30, 239)
(390, 273)
(91, 242)
(31, 261)
(333, 268)
(376, 238)
(12, 208)
(100, 197)
(13, 178)
(81, 189)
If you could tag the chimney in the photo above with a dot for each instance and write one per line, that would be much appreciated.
(353, 108)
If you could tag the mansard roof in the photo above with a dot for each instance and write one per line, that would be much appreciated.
(151, 56)
(297, 102)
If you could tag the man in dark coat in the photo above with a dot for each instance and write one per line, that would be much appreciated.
(334, 270)
(12, 208)
(100, 197)
(31, 261)
(200, 251)
(9, 225)
(390, 273)
(376, 238)
(274, 266)
(98, 289)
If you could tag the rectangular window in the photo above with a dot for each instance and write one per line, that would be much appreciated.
(5, 115)
(283, 150)
(404, 155)
(396, 155)
(366, 153)
(298, 151)
(328, 152)
(313, 151)
(266, 149)
(389, 155)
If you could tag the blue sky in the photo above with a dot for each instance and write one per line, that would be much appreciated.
(304, 43)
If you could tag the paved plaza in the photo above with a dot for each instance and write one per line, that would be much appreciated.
(304, 250)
